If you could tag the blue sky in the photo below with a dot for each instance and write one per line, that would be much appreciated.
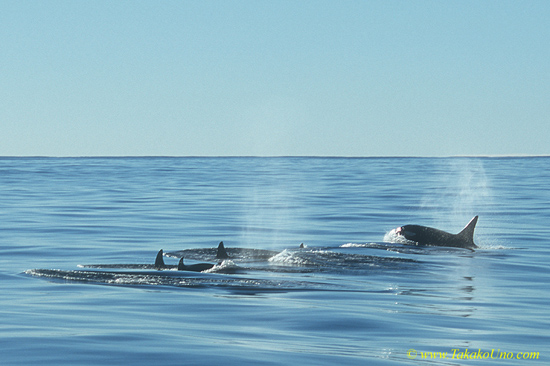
(331, 78)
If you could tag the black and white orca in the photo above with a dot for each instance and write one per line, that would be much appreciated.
(159, 260)
(198, 267)
(424, 235)
(221, 253)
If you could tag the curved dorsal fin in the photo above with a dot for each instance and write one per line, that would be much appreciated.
(159, 260)
(221, 254)
(181, 266)
(468, 232)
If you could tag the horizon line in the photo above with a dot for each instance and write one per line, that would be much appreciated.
(283, 156)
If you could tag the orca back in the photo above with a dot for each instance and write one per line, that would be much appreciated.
(429, 236)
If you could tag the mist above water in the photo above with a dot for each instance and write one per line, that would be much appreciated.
(461, 190)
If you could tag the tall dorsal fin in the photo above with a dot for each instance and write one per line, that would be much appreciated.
(468, 232)
(221, 254)
(159, 260)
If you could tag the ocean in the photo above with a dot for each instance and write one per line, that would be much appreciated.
(78, 237)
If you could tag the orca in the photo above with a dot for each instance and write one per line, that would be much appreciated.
(221, 253)
(199, 267)
(159, 260)
(424, 235)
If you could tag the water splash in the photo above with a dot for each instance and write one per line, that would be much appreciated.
(392, 237)
(287, 257)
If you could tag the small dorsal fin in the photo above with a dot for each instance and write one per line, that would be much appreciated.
(159, 261)
(468, 232)
(221, 254)
(181, 266)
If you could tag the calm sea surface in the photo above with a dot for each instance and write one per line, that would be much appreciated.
(350, 297)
